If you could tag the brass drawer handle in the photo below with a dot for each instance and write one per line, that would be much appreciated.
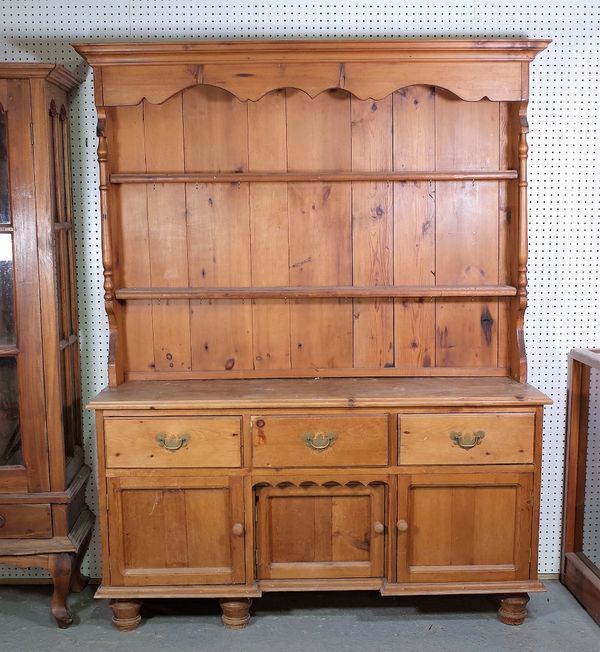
(466, 441)
(2, 521)
(320, 440)
(172, 442)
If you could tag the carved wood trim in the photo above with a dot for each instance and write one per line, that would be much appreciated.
(312, 50)
(53, 73)
(111, 305)
(366, 69)
(520, 373)
(327, 482)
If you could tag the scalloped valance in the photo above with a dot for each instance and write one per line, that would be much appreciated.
(369, 69)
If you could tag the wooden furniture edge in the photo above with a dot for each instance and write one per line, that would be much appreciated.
(71, 543)
(53, 497)
(183, 591)
(155, 398)
(313, 50)
(441, 588)
(274, 586)
(303, 177)
(583, 583)
(53, 73)
(589, 357)
(316, 292)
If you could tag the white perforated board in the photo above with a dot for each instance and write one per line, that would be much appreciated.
(564, 231)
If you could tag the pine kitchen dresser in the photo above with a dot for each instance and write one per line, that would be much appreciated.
(315, 274)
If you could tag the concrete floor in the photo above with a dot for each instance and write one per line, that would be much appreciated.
(336, 622)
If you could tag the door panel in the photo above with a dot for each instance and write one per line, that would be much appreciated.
(167, 531)
(24, 463)
(320, 532)
(464, 527)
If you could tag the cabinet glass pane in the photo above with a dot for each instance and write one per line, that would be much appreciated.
(591, 511)
(7, 316)
(4, 195)
(10, 428)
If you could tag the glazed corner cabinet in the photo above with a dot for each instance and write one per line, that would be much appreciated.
(315, 259)
(44, 521)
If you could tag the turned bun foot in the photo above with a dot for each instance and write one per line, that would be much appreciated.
(126, 614)
(513, 609)
(236, 612)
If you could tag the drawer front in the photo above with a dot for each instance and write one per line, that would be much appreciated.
(25, 522)
(194, 442)
(313, 441)
(484, 438)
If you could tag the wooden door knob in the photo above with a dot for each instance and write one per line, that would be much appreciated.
(379, 527)
(402, 525)
(237, 529)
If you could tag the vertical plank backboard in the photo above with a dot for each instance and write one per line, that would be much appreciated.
(127, 152)
(163, 131)
(372, 232)
(467, 137)
(414, 225)
(269, 224)
(216, 137)
(319, 138)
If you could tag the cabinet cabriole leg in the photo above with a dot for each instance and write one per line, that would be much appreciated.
(61, 567)
(513, 609)
(126, 614)
(236, 612)
(79, 581)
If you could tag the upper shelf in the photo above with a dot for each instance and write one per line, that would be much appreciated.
(367, 68)
(287, 177)
(317, 292)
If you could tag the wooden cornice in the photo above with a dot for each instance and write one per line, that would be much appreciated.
(53, 73)
(313, 51)
(128, 73)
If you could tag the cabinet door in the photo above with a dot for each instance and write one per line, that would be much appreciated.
(170, 530)
(23, 446)
(65, 429)
(320, 532)
(464, 527)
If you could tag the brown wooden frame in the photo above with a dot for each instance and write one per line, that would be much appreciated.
(578, 573)
(50, 524)
(300, 232)
(125, 75)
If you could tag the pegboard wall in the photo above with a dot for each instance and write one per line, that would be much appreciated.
(564, 228)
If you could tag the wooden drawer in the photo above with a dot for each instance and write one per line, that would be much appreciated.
(194, 442)
(312, 441)
(467, 438)
(25, 522)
